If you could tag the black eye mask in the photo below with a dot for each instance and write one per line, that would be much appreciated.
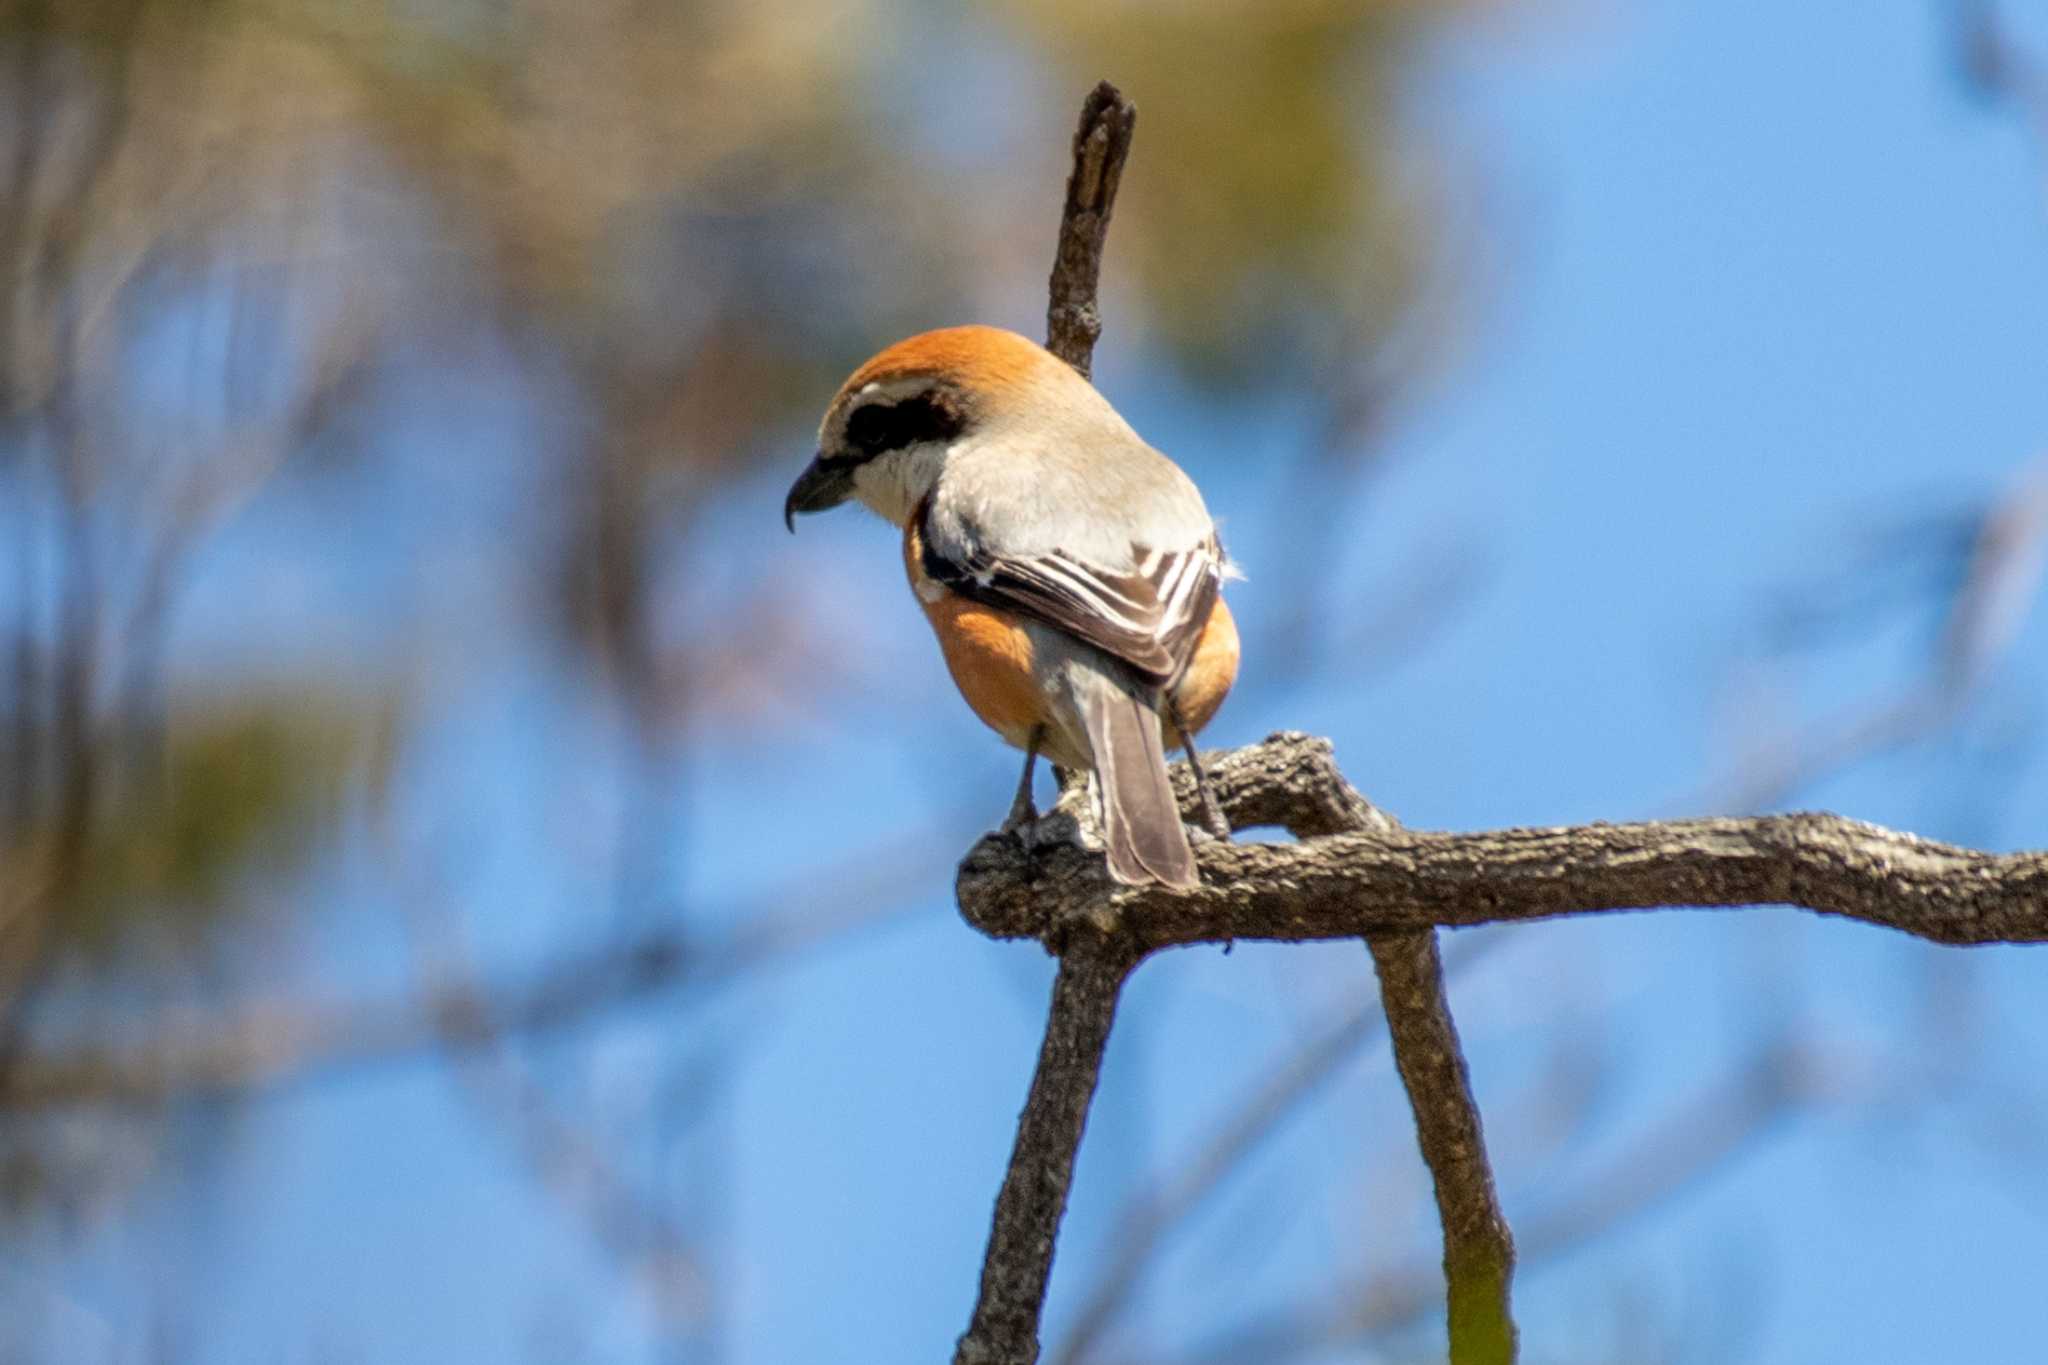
(876, 428)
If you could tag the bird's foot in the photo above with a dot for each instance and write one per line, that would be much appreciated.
(1214, 824)
(1022, 821)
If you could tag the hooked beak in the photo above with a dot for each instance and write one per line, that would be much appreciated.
(822, 486)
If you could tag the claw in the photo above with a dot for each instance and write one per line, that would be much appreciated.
(1023, 816)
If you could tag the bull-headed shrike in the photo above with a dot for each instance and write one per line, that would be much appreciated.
(1070, 571)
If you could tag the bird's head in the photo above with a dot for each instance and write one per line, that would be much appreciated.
(892, 426)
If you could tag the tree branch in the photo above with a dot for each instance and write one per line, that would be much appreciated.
(1355, 873)
(1293, 781)
(1341, 885)
(1102, 143)
(1004, 1329)
(1479, 1252)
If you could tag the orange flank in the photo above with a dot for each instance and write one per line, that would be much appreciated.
(1210, 672)
(987, 650)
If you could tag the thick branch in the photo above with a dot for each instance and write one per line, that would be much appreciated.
(1102, 142)
(1352, 885)
(1004, 1330)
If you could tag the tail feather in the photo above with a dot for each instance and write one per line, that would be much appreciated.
(1141, 825)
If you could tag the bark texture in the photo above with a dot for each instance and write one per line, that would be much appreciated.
(1102, 143)
(1380, 879)
(1479, 1252)
(1004, 1330)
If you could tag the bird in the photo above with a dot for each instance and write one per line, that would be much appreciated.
(1072, 573)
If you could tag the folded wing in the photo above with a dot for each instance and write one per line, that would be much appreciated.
(1150, 615)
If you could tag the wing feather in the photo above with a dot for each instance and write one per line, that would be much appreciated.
(1150, 616)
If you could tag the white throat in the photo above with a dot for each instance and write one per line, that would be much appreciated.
(892, 485)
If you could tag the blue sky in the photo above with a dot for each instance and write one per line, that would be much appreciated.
(1748, 280)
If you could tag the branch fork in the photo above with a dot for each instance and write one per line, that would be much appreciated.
(1353, 872)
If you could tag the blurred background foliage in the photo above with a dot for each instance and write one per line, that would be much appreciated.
(396, 400)
(241, 236)
(1289, 220)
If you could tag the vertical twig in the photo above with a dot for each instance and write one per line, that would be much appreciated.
(1004, 1330)
(1479, 1252)
(1093, 965)
(1102, 143)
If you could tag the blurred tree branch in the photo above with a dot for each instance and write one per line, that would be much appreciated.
(1992, 64)
(1148, 1220)
(1697, 1136)
(1980, 570)
(215, 214)
(279, 1043)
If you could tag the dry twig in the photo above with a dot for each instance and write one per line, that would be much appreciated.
(1479, 1253)
(1034, 1194)
(1102, 143)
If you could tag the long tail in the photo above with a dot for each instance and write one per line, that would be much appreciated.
(1141, 825)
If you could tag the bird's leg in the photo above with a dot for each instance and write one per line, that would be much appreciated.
(1023, 814)
(1212, 813)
